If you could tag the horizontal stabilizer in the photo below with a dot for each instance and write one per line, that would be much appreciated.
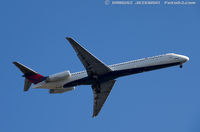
(24, 69)
(30, 75)
(27, 84)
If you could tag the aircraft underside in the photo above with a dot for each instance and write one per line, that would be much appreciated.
(100, 76)
(115, 74)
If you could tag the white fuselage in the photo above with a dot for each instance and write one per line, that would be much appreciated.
(120, 69)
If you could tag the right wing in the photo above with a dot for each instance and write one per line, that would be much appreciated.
(101, 92)
(93, 66)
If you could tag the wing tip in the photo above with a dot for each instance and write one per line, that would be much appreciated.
(15, 63)
(71, 41)
(69, 38)
(95, 114)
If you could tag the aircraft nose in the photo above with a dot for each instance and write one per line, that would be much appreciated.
(184, 58)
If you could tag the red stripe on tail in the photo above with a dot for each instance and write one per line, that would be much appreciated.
(35, 78)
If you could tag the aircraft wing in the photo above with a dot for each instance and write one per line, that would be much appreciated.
(101, 92)
(92, 65)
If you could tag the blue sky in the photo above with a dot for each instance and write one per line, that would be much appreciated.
(33, 33)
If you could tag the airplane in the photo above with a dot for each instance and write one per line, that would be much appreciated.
(100, 76)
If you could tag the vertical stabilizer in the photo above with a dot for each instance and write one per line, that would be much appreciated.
(30, 75)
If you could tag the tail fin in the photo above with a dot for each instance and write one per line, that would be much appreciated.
(30, 76)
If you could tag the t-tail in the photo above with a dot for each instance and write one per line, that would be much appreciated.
(30, 75)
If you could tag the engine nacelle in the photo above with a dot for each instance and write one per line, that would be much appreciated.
(54, 91)
(58, 76)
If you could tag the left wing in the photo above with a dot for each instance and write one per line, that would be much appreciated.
(101, 92)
